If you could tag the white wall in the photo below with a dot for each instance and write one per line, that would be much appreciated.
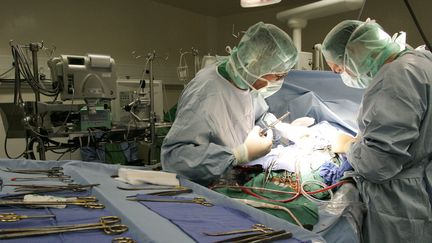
(105, 27)
(108, 27)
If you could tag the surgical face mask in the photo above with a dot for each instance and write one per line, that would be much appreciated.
(360, 82)
(271, 88)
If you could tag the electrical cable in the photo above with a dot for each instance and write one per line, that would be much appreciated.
(21, 61)
(312, 199)
(60, 127)
(29, 149)
(7, 71)
(361, 10)
(326, 188)
(17, 92)
(6, 151)
(71, 150)
(426, 41)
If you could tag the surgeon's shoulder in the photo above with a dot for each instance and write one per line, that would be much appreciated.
(405, 77)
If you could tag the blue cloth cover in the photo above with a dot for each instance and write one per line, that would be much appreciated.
(194, 219)
(318, 94)
(67, 216)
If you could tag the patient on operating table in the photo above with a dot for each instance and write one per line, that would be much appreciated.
(294, 178)
(309, 152)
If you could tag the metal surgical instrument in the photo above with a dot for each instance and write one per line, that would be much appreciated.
(105, 219)
(123, 240)
(109, 224)
(164, 191)
(273, 124)
(83, 203)
(260, 237)
(49, 188)
(197, 200)
(13, 217)
(255, 228)
(171, 193)
(54, 171)
(152, 188)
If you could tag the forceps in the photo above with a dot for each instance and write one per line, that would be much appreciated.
(53, 171)
(273, 124)
(255, 228)
(268, 172)
(109, 224)
(197, 200)
(83, 203)
(13, 217)
(260, 237)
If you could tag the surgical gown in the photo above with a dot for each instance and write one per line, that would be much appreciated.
(213, 117)
(393, 156)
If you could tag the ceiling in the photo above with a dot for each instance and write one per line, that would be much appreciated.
(218, 8)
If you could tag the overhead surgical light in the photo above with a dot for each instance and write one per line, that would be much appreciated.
(257, 3)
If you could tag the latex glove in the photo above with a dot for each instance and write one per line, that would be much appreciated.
(303, 121)
(255, 145)
(291, 132)
(342, 142)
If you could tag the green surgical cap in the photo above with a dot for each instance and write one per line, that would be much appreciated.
(263, 49)
(361, 48)
(334, 44)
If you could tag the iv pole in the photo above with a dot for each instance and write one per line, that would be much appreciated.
(150, 58)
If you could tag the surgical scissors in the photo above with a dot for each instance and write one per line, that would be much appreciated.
(13, 217)
(83, 203)
(107, 220)
(260, 237)
(152, 188)
(123, 240)
(51, 188)
(63, 178)
(197, 200)
(53, 171)
(255, 228)
(109, 224)
(273, 124)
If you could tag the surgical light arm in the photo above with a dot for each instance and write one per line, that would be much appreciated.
(296, 18)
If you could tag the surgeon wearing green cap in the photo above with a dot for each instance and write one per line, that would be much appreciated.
(219, 110)
(391, 154)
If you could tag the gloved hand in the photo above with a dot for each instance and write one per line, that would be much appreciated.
(303, 121)
(292, 132)
(255, 145)
(341, 142)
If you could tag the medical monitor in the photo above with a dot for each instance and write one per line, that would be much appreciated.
(84, 77)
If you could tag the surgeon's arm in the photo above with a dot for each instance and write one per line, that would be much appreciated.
(188, 149)
(391, 123)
